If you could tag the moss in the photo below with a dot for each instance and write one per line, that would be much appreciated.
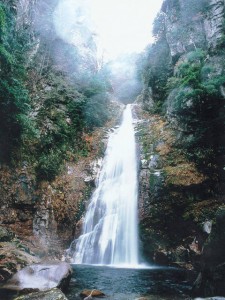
(199, 211)
(183, 174)
(179, 202)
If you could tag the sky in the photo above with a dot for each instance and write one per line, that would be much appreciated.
(121, 26)
(124, 26)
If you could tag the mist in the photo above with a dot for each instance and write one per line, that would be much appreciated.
(120, 27)
(105, 35)
(125, 82)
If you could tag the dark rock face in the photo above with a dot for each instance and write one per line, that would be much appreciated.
(161, 258)
(182, 153)
(211, 279)
(40, 277)
(53, 294)
(167, 182)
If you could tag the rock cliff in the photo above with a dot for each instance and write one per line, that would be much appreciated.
(52, 123)
(182, 135)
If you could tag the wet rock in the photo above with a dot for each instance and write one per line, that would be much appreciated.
(92, 293)
(53, 294)
(211, 279)
(93, 171)
(182, 265)
(211, 298)
(42, 276)
(24, 191)
(181, 254)
(13, 257)
(5, 234)
(154, 161)
(144, 164)
(142, 298)
(207, 227)
(161, 258)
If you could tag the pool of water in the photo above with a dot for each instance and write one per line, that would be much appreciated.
(129, 284)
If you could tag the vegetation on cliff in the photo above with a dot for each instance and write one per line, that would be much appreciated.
(14, 96)
(45, 109)
(182, 179)
(54, 102)
(187, 81)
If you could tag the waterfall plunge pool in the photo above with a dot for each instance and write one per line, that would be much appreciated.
(153, 283)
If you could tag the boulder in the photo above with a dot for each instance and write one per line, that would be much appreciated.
(53, 294)
(92, 293)
(142, 298)
(40, 277)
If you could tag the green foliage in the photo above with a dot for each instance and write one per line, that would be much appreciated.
(6, 57)
(157, 71)
(80, 210)
(196, 56)
(49, 165)
(14, 99)
(190, 70)
(63, 118)
(95, 111)
(68, 109)
(2, 21)
(196, 101)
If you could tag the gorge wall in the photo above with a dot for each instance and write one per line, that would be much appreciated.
(54, 105)
(55, 109)
(182, 140)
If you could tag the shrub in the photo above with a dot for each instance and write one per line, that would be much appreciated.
(49, 165)
(14, 98)
(196, 102)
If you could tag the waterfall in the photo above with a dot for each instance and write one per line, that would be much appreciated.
(110, 225)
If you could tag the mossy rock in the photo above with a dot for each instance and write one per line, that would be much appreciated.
(5, 235)
(53, 294)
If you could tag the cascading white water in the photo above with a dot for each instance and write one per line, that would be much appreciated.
(110, 226)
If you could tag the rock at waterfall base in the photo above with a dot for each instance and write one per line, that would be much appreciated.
(93, 293)
(211, 279)
(53, 294)
(211, 298)
(40, 277)
(13, 254)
